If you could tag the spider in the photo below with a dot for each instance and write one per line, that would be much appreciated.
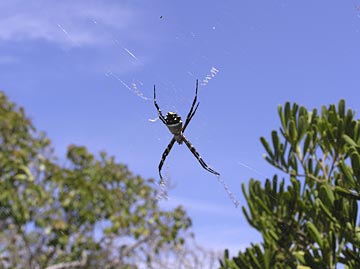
(174, 123)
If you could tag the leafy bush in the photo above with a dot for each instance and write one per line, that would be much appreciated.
(309, 220)
(93, 207)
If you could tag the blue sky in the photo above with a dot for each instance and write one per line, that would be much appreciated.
(85, 70)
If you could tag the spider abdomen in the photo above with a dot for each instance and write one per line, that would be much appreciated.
(176, 130)
(174, 123)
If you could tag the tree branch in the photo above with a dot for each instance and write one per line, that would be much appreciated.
(66, 265)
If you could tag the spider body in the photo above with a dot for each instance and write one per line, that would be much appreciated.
(175, 125)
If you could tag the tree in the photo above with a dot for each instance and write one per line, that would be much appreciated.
(309, 220)
(91, 213)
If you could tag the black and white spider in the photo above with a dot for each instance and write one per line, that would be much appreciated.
(174, 123)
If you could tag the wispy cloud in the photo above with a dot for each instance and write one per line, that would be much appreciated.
(66, 22)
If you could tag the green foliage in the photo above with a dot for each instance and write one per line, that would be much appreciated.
(309, 220)
(51, 214)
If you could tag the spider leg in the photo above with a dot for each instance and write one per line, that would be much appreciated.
(162, 118)
(198, 157)
(188, 120)
(192, 110)
(165, 154)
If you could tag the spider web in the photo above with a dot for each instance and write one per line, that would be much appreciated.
(231, 195)
(163, 187)
(136, 73)
(117, 51)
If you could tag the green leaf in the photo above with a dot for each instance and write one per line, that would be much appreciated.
(327, 195)
(282, 117)
(349, 140)
(293, 134)
(300, 256)
(287, 112)
(348, 174)
(20, 177)
(326, 211)
(341, 108)
(355, 162)
(314, 233)
(276, 144)
(267, 147)
(347, 193)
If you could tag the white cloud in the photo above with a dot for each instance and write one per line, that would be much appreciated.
(68, 23)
